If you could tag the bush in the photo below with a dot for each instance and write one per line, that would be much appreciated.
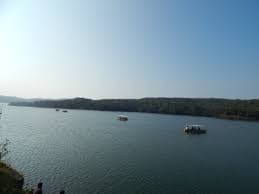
(3, 148)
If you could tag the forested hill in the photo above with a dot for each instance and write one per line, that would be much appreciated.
(210, 107)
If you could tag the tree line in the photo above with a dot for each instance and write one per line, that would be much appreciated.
(209, 107)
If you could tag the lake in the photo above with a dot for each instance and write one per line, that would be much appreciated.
(92, 152)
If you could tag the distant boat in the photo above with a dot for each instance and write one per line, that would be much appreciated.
(122, 118)
(57, 109)
(64, 111)
(195, 129)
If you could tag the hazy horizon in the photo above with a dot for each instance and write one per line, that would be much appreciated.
(107, 98)
(129, 49)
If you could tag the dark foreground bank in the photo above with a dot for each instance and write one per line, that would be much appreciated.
(11, 182)
(210, 107)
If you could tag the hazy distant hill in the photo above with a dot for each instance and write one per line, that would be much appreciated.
(210, 107)
(8, 99)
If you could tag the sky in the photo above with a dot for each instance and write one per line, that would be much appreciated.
(129, 49)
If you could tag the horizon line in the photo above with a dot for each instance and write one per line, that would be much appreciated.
(122, 98)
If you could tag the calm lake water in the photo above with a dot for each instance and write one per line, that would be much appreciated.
(92, 152)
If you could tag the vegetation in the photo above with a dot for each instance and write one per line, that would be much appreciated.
(3, 148)
(211, 107)
(11, 182)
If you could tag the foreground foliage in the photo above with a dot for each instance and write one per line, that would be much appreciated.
(11, 182)
(3, 148)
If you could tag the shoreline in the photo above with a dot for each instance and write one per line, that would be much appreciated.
(206, 107)
(230, 118)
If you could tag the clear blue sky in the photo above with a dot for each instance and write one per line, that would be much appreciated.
(129, 49)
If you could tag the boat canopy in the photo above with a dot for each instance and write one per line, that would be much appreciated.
(194, 125)
(122, 116)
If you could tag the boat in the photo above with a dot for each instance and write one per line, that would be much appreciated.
(195, 129)
(64, 111)
(57, 109)
(122, 117)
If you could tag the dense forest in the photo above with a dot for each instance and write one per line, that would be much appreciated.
(210, 107)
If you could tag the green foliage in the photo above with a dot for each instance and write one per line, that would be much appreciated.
(210, 107)
(3, 148)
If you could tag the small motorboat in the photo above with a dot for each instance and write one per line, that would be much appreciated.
(195, 129)
(64, 111)
(122, 118)
(57, 109)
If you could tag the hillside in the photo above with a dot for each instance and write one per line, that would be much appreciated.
(210, 107)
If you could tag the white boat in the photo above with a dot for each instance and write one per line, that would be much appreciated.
(195, 129)
(122, 117)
